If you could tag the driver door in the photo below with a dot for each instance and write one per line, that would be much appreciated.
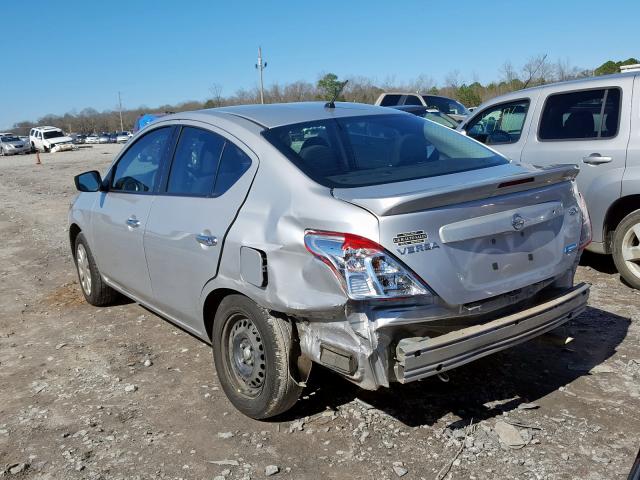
(121, 213)
(503, 127)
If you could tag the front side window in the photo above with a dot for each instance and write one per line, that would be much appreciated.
(499, 124)
(137, 171)
(376, 149)
(584, 115)
(195, 162)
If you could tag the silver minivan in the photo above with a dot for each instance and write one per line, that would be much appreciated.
(383, 246)
(593, 123)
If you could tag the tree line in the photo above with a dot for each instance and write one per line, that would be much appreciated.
(537, 70)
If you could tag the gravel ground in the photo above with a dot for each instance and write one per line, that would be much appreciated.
(120, 393)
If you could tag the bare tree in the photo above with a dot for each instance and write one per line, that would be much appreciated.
(452, 80)
(216, 94)
(537, 71)
(508, 73)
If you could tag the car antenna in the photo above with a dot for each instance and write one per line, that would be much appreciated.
(332, 103)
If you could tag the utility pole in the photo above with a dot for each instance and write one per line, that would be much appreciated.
(261, 66)
(120, 107)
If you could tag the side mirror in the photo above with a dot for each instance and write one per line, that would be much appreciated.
(88, 181)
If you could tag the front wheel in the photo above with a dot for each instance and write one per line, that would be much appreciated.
(252, 352)
(95, 291)
(626, 248)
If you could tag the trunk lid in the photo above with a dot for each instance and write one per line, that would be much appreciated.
(478, 234)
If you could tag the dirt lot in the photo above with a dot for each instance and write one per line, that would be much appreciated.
(78, 401)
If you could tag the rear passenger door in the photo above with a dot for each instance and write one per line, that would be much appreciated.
(589, 128)
(206, 185)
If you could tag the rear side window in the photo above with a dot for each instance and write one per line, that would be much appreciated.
(195, 163)
(377, 149)
(137, 169)
(412, 100)
(390, 100)
(584, 115)
(499, 124)
(233, 164)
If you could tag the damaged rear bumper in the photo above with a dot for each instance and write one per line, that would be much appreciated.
(418, 358)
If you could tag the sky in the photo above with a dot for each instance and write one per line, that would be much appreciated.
(64, 56)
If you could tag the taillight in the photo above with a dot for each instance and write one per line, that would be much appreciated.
(586, 231)
(364, 268)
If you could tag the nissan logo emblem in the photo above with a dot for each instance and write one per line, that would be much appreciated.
(517, 222)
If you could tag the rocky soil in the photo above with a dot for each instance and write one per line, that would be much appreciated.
(119, 393)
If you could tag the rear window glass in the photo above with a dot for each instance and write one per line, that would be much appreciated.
(388, 100)
(233, 164)
(445, 105)
(376, 149)
(412, 100)
(583, 115)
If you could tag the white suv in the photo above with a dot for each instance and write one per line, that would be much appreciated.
(45, 138)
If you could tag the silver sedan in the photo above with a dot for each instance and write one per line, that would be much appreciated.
(13, 145)
(382, 246)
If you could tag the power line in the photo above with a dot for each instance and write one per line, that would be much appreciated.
(261, 66)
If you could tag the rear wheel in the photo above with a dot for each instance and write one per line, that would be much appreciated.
(95, 291)
(252, 354)
(626, 248)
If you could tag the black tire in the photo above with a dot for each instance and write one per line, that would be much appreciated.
(98, 293)
(623, 238)
(269, 389)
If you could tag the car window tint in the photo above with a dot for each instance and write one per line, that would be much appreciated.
(390, 100)
(195, 162)
(376, 149)
(582, 115)
(233, 164)
(412, 100)
(137, 170)
(499, 124)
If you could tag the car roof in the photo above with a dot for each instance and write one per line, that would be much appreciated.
(568, 83)
(278, 114)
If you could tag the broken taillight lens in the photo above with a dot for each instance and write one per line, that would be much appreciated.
(364, 268)
(586, 232)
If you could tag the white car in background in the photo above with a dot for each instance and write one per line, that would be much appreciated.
(44, 139)
(93, 138)
(123, 137)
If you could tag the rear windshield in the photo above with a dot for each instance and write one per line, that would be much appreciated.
(376, 149)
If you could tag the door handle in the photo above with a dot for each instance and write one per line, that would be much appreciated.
(133, 222)
(596, 159)
(206, 240)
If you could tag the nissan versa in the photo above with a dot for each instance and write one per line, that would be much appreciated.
(381, 245)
